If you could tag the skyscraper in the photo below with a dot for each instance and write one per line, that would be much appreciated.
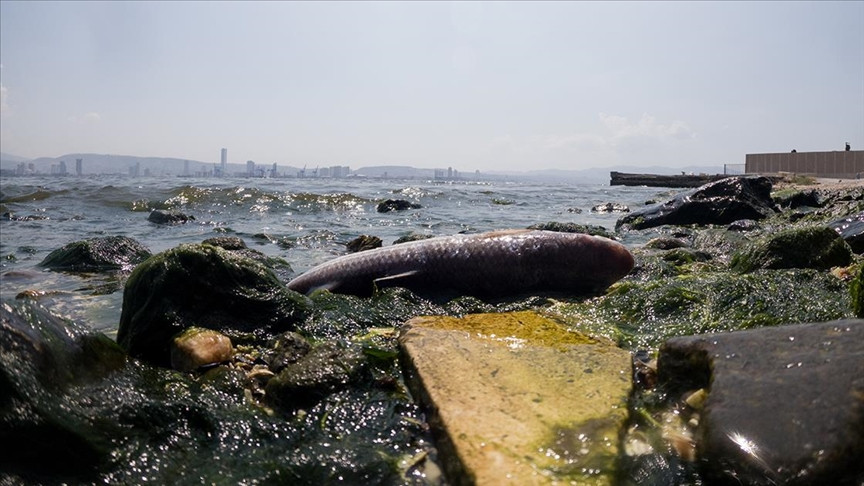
(79, 167)
(224, 166)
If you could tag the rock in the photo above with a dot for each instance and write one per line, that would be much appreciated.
(196, 348)
(610, 208)
(411, 237)
(160, 216)
(856, 290)
(785, 404)
(793, 199)
(720, 202)
(41, 355)
(816, 247)
(230, 243)
(851, 229)
(396, 205)
(326, 368)
(573, 228)
(743, 225)
(363, 243)
(203, 286)
(518, 399)
(97, 254)
(666, 243)
(288, 349)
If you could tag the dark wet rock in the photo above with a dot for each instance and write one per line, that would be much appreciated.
(816, 247)
(743, 225)
(9, 216)
(287, 348)
(666, 243)
(851, 229)
(97, 254)
(395, 205)
(785, 404)
(230, 243)
(197, 348)
(411, 237)
(40, 356)
(574, 210)
(587, 229)
(720, 202)
(793, 199)
(326, 368)
(610, 208)
(363, 243)
(161, 216)
(203, 286)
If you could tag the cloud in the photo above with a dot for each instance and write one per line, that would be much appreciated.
(615, 139)
(86, 119)
(647, 127)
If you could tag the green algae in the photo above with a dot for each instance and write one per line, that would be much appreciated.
(509, 328)
(642, 314)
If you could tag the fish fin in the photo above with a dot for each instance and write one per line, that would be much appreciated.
(393, 280)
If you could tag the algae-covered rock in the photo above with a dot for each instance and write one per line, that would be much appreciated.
(237, 246)
(97, 254)
(196, 347)
(328, 367)
(41, 355)
(720, 202)
(203, 286)
(856, 290)
(816, 247)
(516, 398)
(785, 404)
(286, 349)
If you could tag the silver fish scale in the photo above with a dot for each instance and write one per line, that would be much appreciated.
(489, 264)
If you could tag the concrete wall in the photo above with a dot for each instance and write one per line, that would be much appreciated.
(844, 165)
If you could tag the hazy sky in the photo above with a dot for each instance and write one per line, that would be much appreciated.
(488, 86)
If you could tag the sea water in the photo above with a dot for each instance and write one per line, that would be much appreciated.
(303, 221)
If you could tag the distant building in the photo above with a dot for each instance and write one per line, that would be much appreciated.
(135, 170)
(273, 172)
(250, 168)
(186, 168)
(59, 169)
(79, 167)
(223, 167)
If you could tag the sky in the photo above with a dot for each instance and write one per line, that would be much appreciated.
(489, 86)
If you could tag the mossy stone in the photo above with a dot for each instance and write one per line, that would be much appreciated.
(816, 247)
(206, 286)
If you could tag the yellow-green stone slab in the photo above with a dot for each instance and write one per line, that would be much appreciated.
(517, 398)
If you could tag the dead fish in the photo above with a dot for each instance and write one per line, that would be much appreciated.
(494, 264)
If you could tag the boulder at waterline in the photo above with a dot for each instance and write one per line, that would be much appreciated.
(720, 202)
(785, 404)
(41, 355)
(196, 347)
(516, 398)
(97, 254)
(237, 246)
(160, 216)
(816, 247)
(363, 243)
(587, 229)
(204, 286)
(851, 229)
(395, 205)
